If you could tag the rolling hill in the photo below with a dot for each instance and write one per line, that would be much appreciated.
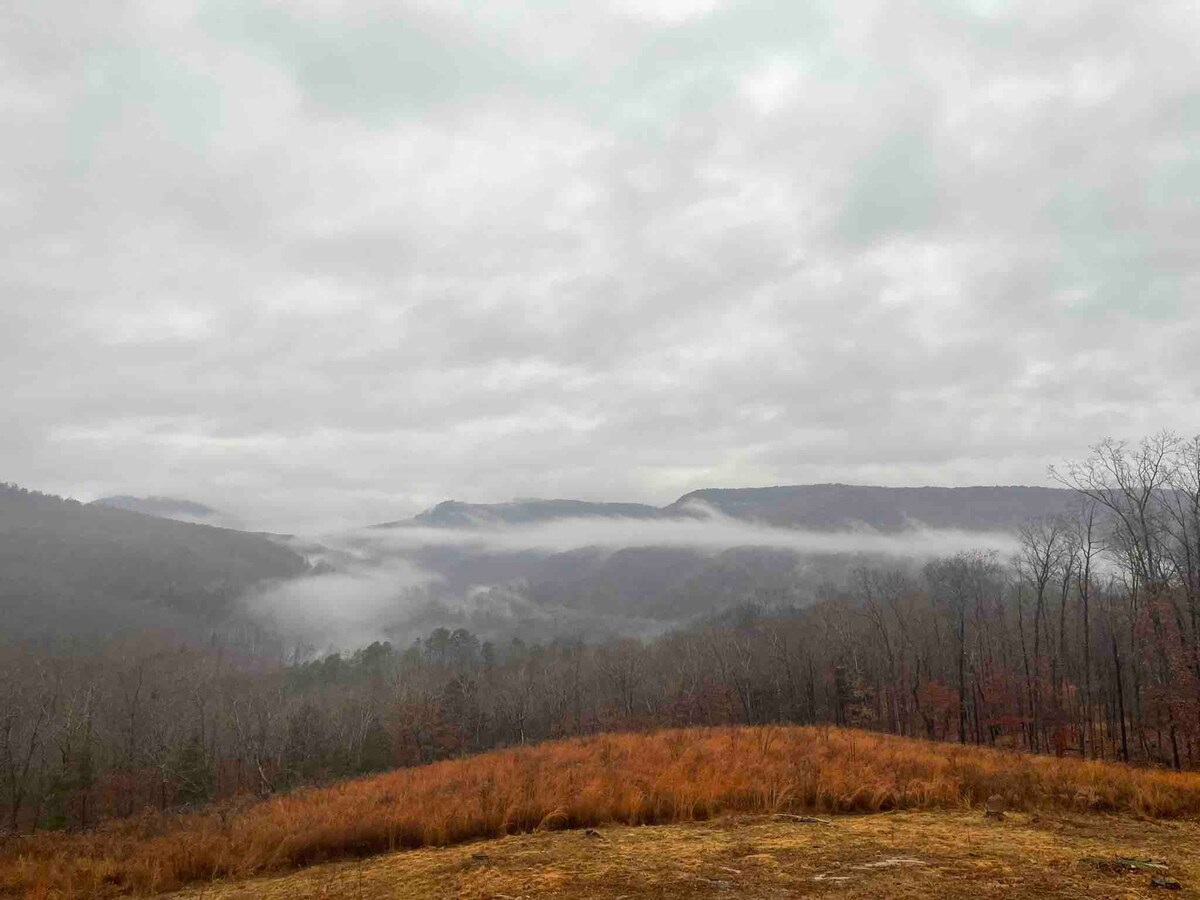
(667, 778)
(163, 507)
(455, 514)
(87, 570)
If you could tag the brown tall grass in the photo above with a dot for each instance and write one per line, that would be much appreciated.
(669, 776)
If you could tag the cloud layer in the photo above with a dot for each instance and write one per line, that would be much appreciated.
(375, 587)
(335, 262)
(710, 534)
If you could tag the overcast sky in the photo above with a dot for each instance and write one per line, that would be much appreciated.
(317, 261)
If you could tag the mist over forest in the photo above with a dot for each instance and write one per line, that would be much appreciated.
(581, 576)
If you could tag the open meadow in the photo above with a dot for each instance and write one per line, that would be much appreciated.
(662, 778)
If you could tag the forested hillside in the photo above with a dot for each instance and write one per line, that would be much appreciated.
(829, 506)
(163, 507)
(70, 569)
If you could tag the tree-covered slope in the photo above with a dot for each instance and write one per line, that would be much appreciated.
(70, 568)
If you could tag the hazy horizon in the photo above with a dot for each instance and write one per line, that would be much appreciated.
(244, 515)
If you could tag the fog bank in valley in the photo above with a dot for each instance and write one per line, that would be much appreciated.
(589, 577)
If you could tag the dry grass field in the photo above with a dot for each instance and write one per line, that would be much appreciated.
(668, 777)
(921, 855)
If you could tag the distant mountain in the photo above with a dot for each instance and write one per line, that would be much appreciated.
(827, 507)
(820, 507)
(671, 582)
(122, 563)
(72, 569)
(454, 514)
(163, 507)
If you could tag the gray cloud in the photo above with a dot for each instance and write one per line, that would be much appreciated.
(332, 263)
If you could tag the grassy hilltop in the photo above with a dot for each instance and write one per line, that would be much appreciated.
(667, 777)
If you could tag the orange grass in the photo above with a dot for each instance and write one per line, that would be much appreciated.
(668, 776)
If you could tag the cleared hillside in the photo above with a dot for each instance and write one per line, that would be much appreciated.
(662, 778)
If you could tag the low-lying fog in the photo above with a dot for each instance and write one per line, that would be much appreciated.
(593, 577)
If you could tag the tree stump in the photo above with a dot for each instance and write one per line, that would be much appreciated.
(995, 807)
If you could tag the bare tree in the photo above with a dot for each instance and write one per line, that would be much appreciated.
(1042, 556)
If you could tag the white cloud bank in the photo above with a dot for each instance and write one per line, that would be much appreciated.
(378, 592)
(712, 533)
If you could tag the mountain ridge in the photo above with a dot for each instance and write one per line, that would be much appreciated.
(825, 506)
(155, 505)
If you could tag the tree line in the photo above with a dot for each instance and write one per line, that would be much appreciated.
(1084, 642)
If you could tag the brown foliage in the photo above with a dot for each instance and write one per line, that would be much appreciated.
(668, 776)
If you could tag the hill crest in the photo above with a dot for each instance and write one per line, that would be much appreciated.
(825, 507)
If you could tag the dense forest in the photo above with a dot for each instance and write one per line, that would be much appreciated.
(1084, 643)
(88, 570)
